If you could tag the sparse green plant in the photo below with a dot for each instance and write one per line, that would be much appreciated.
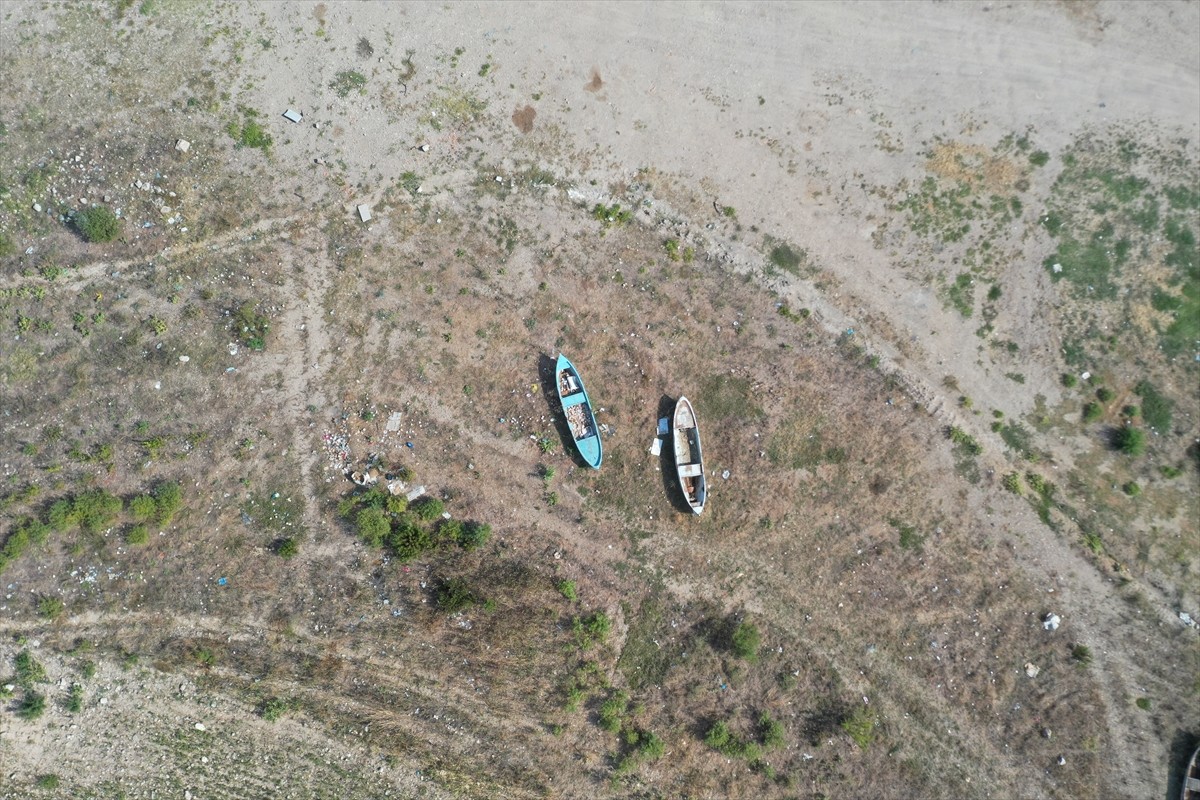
(1039, 158)
(964, 440)
(50, 607)
(1012, 482)
(1157, 409)
(98, 224)
(567, 589)
(137, 535)
(29, 670)
(1131, 488)
(551, 498)
(475, 535)
(348, 81)
(1129, 440)
(250, 327)
(158, 325)
(612, 215)
(169, 498)
(88, 669)
(1131, 411)
(453, 595)
(1092, 412)
(546, 444)
(74, 702)
(32, 705)
(287, 548)
(672, 248)
(1143, 703)
(770, 732)
(274, 708)
(860, 725)
(249, 133)
(591, 629)
(745, 641)
(1170, 472)
(1082, 654)
(1069, 380)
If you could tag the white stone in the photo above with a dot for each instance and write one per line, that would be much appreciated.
(184, 359)
(199, 726)
(183, 145)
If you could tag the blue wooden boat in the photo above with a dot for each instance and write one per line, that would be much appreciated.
(689, 460)
(577, 408)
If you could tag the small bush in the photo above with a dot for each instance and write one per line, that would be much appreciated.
(74, 702)
(1092, 412)
(1132, 489)
(475, 535)
(287, 548)
(718, 736)
(451, 530)
(137, 535)
(745, 641)
(98, 224)
(428, 508)
(1104, 394)
(860, 726)
(250, 134)
(1069, 380)
(454, 595)
(1130, 441)
(169, 498)
(373, 526)
(965, 440)
(50, 607)
(1133, 412)
(1012, 482)
(143, 508)
(1082, 654)
(250, 327)
(1156, 409)
(611, 712)
(1143, 703)
(273, 708)
(567, 589)
(770, 731)
(32, 705)
(48, 781)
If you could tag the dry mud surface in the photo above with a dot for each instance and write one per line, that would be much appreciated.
(851, 234)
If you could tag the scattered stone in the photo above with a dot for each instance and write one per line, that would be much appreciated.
(1062, 760)
(424, 148)
(183, 145)
(1186, 618)
(37, 207)
(1047, 733)
(1032, 669)
(364, 213)
(393, 422)
(725, 475)
(292, 115)
(1051, 622)
(200, 726)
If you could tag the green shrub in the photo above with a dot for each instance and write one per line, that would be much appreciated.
(1143, 703)
(1082, 654)
(567, 589)
(32, 706)
(451, 530)
(373, 526)
(475, 535)
(273, 708)
(143, 508)
(1130, 441)
(74, 702)
(745, 641)
(1132, 489)
(137, 535)
(408, 540)
(428, 508)
(62, 515)
(1092, 412)
(250, 133)
(98, 224)
(592, 629)
(771, 732)
(860, 726)
(1069, 380)
(1131, 411)
(97, 509)
(718, 736)
(50, 607)
(964, 440)
(287, 548)
(1156, 409)
(1012, 482)
(1039, 158)
(1104, 394)
(169, 498)
(453, 595)
(611, 712)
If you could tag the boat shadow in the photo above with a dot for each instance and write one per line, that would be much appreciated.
(549, 384)
(666, 459)
(1182, 747)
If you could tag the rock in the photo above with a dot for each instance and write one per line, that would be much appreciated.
(424, 148)
(184, 359)
(200, 726)
(1032, 669)
(1051, 622)
(1047, 733)
(183, 145)
(1186, 619)
(1062, 760)
(37, 207)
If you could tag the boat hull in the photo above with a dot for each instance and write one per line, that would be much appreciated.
(689, 458)
(577, 408)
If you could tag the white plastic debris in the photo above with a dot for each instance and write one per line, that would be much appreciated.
(1051, 622)
(1032, 669)
(183, 145)
(1057, 268)
(656, 446)
(364, 213)
(292, 115)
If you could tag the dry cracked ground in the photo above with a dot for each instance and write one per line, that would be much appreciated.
(287, 508)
